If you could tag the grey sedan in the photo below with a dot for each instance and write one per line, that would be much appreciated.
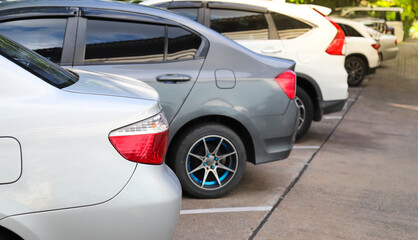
(225, 104)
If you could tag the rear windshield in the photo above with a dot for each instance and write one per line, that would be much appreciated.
(36, 64)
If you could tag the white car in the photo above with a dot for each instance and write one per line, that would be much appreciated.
(362, 51)
(388, 44)
(391, 15)
(81, 154)
(282, 30)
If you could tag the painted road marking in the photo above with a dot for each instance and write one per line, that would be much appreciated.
(333, 117)
(306, 147)
(226, 210)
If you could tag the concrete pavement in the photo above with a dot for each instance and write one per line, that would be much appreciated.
(364, 183)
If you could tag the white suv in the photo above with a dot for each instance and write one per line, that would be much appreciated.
(282, 30)
(362, 51)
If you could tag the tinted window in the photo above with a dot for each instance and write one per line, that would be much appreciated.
(349, 31)
(182, 44)
(288, 27)
(187, 12)
(239, 25)
(36, 64)
(45, 36)
(115, 42)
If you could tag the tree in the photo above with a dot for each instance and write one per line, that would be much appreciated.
(410, 7)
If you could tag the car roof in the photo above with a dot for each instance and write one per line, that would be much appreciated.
(374, 8)
(294, 10)
(98, 4)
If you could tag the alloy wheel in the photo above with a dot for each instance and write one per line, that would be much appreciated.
(302, 111)
(211, 162)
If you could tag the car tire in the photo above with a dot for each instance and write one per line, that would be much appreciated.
(305, 106)
(356, 69)
(209, 160)
(6, 235)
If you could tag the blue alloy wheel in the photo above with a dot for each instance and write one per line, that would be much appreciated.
(209, 160)
(212, 162)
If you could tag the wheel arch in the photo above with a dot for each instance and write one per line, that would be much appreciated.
(233, 124)
(8, 234)
(362, 57)
(314, 92)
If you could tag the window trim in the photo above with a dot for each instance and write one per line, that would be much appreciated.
(80, 47)
(185, 4)
(236, 6)
(37, 12)
(91, 13)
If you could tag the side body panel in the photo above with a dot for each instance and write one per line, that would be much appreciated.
(53, 128)
(129, 215)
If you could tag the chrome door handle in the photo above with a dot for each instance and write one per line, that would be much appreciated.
(173, 78)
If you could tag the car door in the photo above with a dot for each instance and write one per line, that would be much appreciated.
(161, 53)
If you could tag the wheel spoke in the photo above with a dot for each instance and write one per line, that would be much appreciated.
(202, 158)
(217, 147)
(220, 165)
(217, 178)
(206, 146)
(226, 155)
(197, 169)
(205, 177)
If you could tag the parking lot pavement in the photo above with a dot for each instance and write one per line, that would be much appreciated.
(354, 176)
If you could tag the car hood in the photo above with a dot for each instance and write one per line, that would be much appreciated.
(111, 85)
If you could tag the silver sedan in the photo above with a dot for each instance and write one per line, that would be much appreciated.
(81, 154)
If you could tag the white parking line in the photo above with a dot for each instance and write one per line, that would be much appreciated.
(306, 147)
(226, 210)
(351, 99)
(333, 117)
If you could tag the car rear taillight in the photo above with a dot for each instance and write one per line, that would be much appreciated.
(376, 46)
(336, 47)
(144, 142)
(396, 42)
(287, 81)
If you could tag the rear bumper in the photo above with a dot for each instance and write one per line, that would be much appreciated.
(276, 135)
(390, 53)
(151, 198)
(332, 106)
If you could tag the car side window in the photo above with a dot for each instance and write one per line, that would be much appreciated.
(122, 42)
(239, 25)
(349, 31)
(182, 44)
(45, 36)
(187, 12)
(288, 27)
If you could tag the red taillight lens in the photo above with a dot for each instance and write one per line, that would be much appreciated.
(287, 81)
(337, 45)
(396, 42)
(376, 46)
(143, 142)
